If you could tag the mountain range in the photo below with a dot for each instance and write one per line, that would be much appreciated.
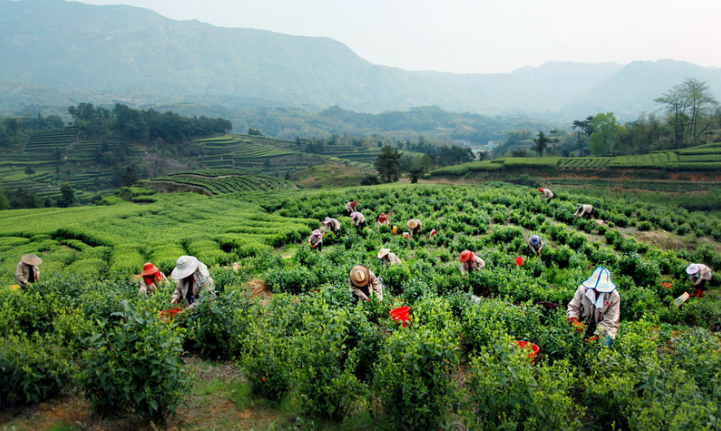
(56, 52)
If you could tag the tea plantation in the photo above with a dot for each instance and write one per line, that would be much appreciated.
(456, 365)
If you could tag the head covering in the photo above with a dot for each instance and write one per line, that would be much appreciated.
(383, 253)
(354, 216)
(540, 189)
(31, 259)
(327, 220)
(149, 269)
(412, 223)
(600, 281)
(535, 240)
(355, 203)
(316, 232)
(466, 255)
(186, 265)
(382, 217)
(692, 269)
(359, 275)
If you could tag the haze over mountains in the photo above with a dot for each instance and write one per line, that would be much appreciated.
(61, 53)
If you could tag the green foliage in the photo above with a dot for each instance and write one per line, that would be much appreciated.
(135, 366)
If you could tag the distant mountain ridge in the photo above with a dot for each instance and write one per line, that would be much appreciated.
(54, 50)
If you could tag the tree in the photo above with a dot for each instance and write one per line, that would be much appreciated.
(130, 176)
(29, 171)
(67, 195)
(542, 142)
(4, 202)
(388, 164)
(689, 108)
(607, 133)
(254, 132)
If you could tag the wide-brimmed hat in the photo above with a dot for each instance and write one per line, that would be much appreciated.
(466, 255)
(412, 223)
(692, 269)
(186, 265)
(31, 259)
(149, 269)
(317, 232)
(359, 275)
(600, 281)
(354, 216)
(383, 253)
(327, 220)
(534, 240)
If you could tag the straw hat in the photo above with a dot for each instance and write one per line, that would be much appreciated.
(692, 269)
(316, 232)
(31, 259)
(383, 253)
(327, 220)
(600, 281)
(412, 223)
(359, 275)
(466, 255)
(149, 269)
(535, 240)
(186, 265)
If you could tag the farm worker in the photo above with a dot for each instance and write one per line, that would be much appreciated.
(547, 194)
(332, 224)
(386, 256)
(350, 207)
(583, 210)
(701, 273)
(316, 240)
(597, 305)
(193, 279)
(27, 270)
(535, 244)
(363, 284)
(382, 219)
(415, 226)
(152, 279)
(358, 219)
(470, 262)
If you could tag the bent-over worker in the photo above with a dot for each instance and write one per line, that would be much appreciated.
(386, 256)
(415, 226)
(470, 262)
(583, 210)
(152, 279)
(27, 270)
(358, 219)
(332, 224)
(364, 284)
(316, 240)
(597, 306)
(350, 207)
(193, 281)
(547, 194)
(535, 244)
(701, 273)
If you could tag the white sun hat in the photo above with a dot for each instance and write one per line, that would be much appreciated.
(186, 265)
(600, 281)
(692, 269)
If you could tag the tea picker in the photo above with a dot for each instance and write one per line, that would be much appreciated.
(386, 256)
(546, 194)
(596, 306)
(364, 284)
(358, 219)
(701, 273)
(583, 210)
(316, 240)
(415, 226)
(382, 219)
(27, 270)
(332, 224)
(535, 243)
(350, 207)
(152, 279)
(470, 262)
(193, 281)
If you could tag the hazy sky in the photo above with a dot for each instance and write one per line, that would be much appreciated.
(484, 36)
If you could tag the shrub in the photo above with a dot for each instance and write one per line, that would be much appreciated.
(291, 280)
(135, 366)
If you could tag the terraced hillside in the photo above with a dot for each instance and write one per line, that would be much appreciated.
(221, 181)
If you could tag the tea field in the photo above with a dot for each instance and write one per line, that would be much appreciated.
(303, 356)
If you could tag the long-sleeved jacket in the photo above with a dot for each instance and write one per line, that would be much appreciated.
(350, 208)
(472, 265)
(151, 288)
(22, 273)
(374, 287)
(201, 284)
(536, 248)
(416, 230)
(547, 194)
(359, 219)
(391, 258)
(334, 225)
(585, 209)
(316, 240)
(704, 273)
(607, 317)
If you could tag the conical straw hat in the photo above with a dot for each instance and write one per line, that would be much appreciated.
(31, 259)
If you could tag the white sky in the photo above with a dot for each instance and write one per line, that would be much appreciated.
(477, 36)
